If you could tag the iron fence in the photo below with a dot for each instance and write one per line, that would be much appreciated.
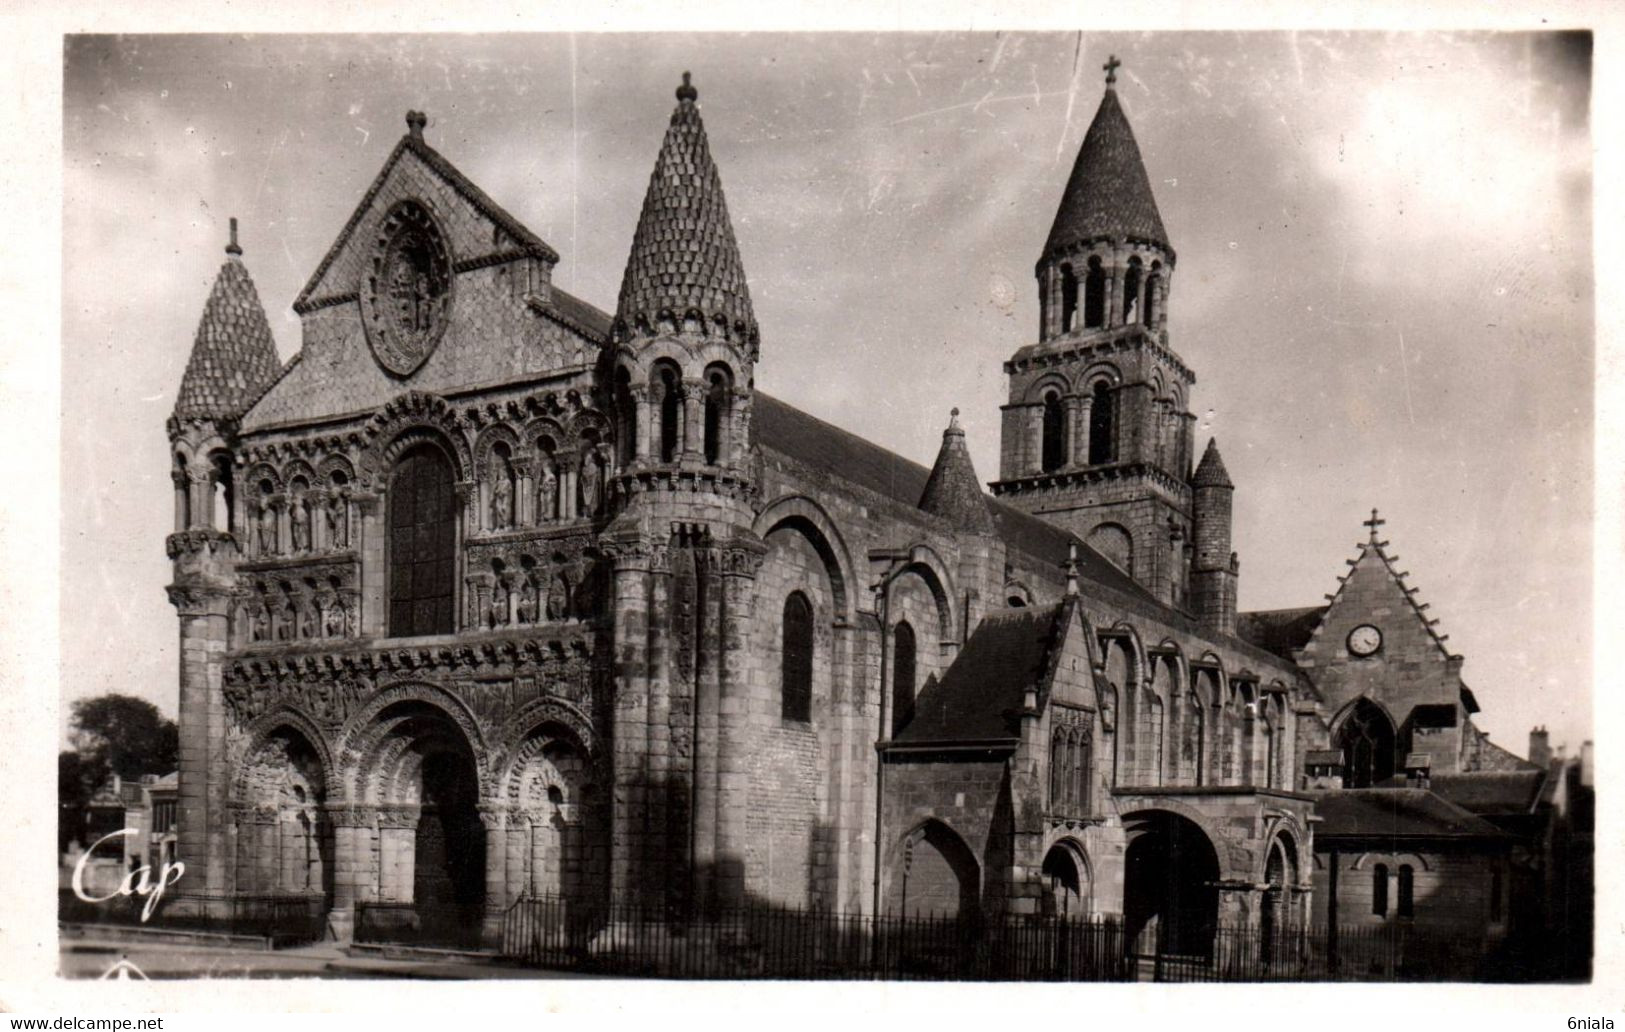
(285, 919)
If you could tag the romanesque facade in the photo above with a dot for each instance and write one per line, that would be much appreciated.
(488, 592)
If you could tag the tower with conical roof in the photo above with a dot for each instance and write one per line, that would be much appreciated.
(1097, 433)
(233, 361)
(679, 366)
(1213, 564)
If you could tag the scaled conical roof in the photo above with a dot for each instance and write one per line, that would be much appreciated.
(684, 257)
(1109, 193)
(953, 491)
(233, 355)
(1210, 472)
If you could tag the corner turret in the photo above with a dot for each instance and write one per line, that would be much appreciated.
(1214, 567)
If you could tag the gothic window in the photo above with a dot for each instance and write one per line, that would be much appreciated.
(1058, 760)
(1379, 890)
(1267, 728)
(1407, 889)
(422, 543)
(1054, 433)
(796, 661)
(904, 661)
(717, 397)
(1081, 765)
(670, 413)
(1094, 295)
(626, 419)
(1367, 744)
(1131, 292)
(1069, 299)
(1102, 424)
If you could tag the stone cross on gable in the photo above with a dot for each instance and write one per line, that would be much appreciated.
(1111, 66)
(1374, 522)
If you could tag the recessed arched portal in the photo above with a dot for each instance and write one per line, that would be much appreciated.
(1170, 885)
(1066, 875)
(1276, 914)
(936, 874)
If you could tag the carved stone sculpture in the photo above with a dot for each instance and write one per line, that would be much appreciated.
(267, 543)
(299, 524)
(547, 495)
(501, 496)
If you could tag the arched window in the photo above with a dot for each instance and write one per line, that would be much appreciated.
(1131, 291)
(1069, 299)
(1053, 455)
(717, 398)
(1102, 424)
(626, 419)
(796, 662)
(1407, 890)
(1094, 295)
(1153, 286)
(1081, 765)
(422, 543)
(1059, 760)
(225, 492)
(670, 413)
(1367, 744)
(904, 661)
(1379, 890)
(183, 493)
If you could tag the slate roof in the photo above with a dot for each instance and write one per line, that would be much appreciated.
(233, 356)
(684, 255)
(524, 239)
(1109, 193)
(1491, 792)
(1397, 813)
(953, 491)
(1279, 631)
(980, 692)
(1210, 472)
(846, 456)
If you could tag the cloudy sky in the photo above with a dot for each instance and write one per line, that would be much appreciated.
(1384, 280)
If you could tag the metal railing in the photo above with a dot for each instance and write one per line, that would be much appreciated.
(285, 919)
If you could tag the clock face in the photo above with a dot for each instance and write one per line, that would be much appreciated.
(1364, 640)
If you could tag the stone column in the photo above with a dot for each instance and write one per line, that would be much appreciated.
(367, 534)
(1070, 434)
(353, 874)
(201, 482)
(667, 839)
(183, 486)
(1080, 444)
(629, 717)
(517, 842)
(690, 420)
(1035, 439)
(201, 816)
(707, 750)
(641, 433)
(241, 840)
(494, 819)
(741, 561)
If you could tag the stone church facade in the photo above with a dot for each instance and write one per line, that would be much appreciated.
(488, 592)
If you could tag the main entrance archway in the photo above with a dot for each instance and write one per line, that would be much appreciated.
(1170, 885)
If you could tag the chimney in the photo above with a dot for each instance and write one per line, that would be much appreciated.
(1540, 747)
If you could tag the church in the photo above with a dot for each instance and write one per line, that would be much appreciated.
(489, 592)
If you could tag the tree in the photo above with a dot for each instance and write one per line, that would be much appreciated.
(76, 782)
(125, 735)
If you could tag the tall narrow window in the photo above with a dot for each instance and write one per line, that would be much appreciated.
(1094, 295)
(670, 415)
(1058, 762)
(1069, 299)
(716, 411)
(904, 660)
(1379, 890)
(1153, 284)
(422, 543)
(796, 663)
(1102, 424)
(1054, 443)
(1407, 890)
(225, 493)
(626, 419)
(1131, 292)
(1082, 765)
(1367, 743)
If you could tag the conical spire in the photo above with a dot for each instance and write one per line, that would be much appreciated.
(1210, 472)
(953, 491)
(233, 355)
(684, 257)
(1109, 193)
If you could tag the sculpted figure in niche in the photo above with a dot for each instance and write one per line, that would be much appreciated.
(338, 522)
(299, 524)
(499, 604)
(558, 600)
(261, 630)
(527, 602)
(501, 495)
(547, 494)
(335, 621)
(267, 529)
(592, 482)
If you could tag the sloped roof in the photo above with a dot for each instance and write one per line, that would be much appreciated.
(1210, 472)
(846, 456)
(524, 239)
(1397, 813)
(684, 255)
(953, 491)
(1108, 193)
(233, 356)
(1491, 792)
(1279, 631)
(979, 693)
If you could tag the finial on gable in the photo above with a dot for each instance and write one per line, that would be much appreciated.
(1110, 67)
(687, 91)
(232, 248)
(1374, 522)
(1072, 568)
(415, 121)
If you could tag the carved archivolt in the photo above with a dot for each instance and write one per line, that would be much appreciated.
(412, 417)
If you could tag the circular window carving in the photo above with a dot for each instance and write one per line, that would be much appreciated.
(408, 289)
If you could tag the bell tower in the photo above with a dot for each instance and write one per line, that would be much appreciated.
(1097, 433)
